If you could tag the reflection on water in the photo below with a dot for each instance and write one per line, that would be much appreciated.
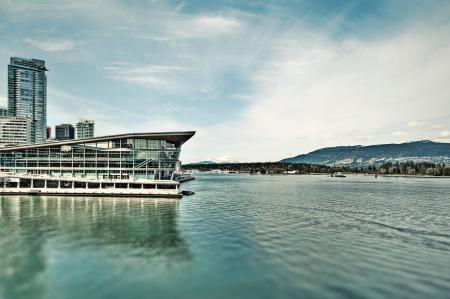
(239, 236)
(37, 231)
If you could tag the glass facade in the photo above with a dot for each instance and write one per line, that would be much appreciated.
(27, 94)
(130, 157)
(64, 132)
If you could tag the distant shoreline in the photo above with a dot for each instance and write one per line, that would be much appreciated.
(422, 169)
(329, 174)
(415, 176)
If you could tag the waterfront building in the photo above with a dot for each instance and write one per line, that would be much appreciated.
(14, 131)
(85, 129)
(148, 156)
(64, 132)
(27, 94)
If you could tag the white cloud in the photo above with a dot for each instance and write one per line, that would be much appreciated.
(400, 134)
(64, 106)
(445, 134)
(437, 127)
(51, 45)
(368, 137)
(415, 124)
(223, 159)
(218, 24)
(203, 26)
(155, 76)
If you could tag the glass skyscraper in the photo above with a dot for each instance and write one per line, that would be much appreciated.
(27, 94)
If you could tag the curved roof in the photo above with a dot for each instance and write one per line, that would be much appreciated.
(175, 137)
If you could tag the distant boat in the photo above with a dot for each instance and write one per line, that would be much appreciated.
(338, 175)
(184, 178)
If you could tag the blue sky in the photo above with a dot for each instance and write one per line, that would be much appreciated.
(257, 80)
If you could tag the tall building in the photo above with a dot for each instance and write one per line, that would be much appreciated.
(27, 94)
(14, 131)
(64, 132)
(85, 129)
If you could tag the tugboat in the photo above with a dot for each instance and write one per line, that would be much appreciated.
(338, 175)
(184, 177)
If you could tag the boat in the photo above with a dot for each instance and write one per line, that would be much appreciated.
(184, 177)
(338, 175)
(187, 192)
(42, 185)
(133, 164)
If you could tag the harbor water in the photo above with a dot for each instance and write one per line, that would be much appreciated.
(239, 236)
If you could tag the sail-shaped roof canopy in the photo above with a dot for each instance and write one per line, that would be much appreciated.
(175, 137)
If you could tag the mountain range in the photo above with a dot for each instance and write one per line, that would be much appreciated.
(358, 155)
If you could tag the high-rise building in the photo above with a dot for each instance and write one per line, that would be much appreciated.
(27, 94)
(64, 132)
(85, 129)
(14, 131)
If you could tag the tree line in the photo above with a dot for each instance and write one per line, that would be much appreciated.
(396, 168)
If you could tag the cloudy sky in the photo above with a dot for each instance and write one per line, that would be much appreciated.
(257, 80)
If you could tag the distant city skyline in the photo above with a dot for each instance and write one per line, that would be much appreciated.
(258, 81)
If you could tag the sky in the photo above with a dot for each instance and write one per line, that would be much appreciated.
(257, 80)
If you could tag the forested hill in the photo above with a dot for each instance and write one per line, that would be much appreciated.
(358, 156)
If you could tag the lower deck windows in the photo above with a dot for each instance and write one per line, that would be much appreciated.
(38, 183)
(108, 185)
(52, 184)
(79, 185)
(93, 185)
(122, 185)
(167, 186)
(66, 185)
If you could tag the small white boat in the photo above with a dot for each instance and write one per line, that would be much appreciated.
(338, 175)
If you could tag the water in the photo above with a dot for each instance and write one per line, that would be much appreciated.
(240, 236)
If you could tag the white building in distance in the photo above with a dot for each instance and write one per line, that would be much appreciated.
(14, 131)
(84, 129)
